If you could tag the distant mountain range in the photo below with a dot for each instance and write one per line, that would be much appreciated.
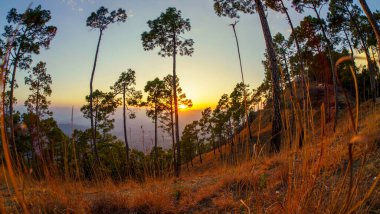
(135, 128)
(66, 128)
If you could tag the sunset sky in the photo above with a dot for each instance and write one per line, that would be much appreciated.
(210, 72)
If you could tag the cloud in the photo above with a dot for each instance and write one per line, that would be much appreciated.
(77, 5)
(130, 13)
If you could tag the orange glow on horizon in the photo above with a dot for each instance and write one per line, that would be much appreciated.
(182, 107)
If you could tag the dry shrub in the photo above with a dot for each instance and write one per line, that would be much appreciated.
(110, 203)
(225, 203)
(199, 198)
(56, 196)
(152, 201)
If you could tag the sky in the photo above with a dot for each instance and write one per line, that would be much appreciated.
(211, 71)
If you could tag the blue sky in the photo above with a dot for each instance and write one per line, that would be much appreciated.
(210, 72)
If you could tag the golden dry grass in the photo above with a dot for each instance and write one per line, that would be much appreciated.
(314, 179)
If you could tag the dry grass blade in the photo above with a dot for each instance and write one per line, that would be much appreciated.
(340, 60)
(4, 141)
(246, 206)
(367, 195)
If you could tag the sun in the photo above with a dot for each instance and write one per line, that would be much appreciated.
(182, 107)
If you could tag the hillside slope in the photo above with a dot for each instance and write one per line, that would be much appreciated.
(314, 179)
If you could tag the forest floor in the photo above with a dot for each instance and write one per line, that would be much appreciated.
(314, 179)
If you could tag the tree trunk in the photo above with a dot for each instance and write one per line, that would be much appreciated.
(329, 47)
(93, 131)
(285, 10)
(300, 56)
(289, 85)
(95, 122)
(213, 145)
(372, 72)
(73, 144)
(178, 163)
(125, 127)
(7, 158)
(242, 79)
(372, 21)
(231, 139)
(349, 43)
(276, 123)
(16, 58)
(12, 130)
(38, 118)
(199, 150)
(155, 136)
(172, 129)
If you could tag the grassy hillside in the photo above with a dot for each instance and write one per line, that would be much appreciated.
(321, 177)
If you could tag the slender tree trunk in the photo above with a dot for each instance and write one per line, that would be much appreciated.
(16, 58)
(352, 55)
(276, 123)
(231, 138)
(172, 128)
(242, 79)
(155, 136)
(372, 21)
(285, 10)
(349, 43)
(199, 150)
(7, 156)
(93, 131)
(95, 122)
(289, 85)
(38, 117)
(213, 146)
(125, 126)
(364, 90)
(12, 130)
(372, 73)
(178, 163)
(329, 47)
(371, 69)
(301, 61)
(74, 144)
(373, 50)
(287, 76)
(65, 160)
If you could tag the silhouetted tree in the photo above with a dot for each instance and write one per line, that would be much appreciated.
(104, 106)
(155, 104)
(313, 50)
(278, 5)
(100, 20)
(30, 33)
(372, 21)
(165, 34)
(37, 104)
(199, 142)
(125, 86)
(236, 108)
(343, 15)
(188, 144)
(167, 117)
(316, 6)
(339, 22)
(205, 125)
(221, 116)
(231, 8)
(242, 79)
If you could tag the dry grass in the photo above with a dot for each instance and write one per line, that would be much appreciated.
(314, 179)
